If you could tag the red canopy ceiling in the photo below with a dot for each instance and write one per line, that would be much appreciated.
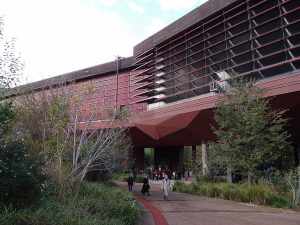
(161, 127)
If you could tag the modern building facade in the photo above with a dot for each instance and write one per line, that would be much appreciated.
(171, 83)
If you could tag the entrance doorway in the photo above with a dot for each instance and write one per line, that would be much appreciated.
(169, 158)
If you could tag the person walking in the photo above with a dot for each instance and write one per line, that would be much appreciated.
(130, 182)
(155, 175)
(166, 186)
(146, 186)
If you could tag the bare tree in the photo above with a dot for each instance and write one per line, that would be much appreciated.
(74, 138)
(99, 149)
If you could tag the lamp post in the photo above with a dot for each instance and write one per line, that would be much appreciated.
(118, 58)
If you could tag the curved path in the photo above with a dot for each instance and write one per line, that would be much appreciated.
(184, 209)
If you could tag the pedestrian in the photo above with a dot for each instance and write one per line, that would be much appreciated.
(146, 186)
(166, 186)
(179, 175)
(156, 175)
(174, 175)
(130, 182)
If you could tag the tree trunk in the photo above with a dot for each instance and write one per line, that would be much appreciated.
(205, 169)
(229, 174)
(249, 179)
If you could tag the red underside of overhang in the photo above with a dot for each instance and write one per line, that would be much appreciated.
(175, 130)
(189, 122)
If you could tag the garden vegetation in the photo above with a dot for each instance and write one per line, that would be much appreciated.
(40, 150)
(81, 204)
(265, 193)
(252, 159)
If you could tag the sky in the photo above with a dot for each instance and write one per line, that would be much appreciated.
(55, 37)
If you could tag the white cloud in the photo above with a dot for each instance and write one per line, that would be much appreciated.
(154, 26)
(178, 4)
(56, 36)
(135, 7)
(59, 36)
(109, 2)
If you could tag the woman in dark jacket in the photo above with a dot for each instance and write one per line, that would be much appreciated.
(130, 182)
(146, 186)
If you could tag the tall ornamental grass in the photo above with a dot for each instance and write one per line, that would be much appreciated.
(256, 194)
(83, 204)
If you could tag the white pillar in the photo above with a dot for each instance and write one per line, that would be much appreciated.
(204, 159)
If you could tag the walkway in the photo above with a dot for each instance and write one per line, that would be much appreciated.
(184, 209)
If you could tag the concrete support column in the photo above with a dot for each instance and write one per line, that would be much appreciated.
(205, 169)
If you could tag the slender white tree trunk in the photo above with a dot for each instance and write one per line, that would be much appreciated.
(205, 169)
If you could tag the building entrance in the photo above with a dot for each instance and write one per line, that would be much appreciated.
(169, 158)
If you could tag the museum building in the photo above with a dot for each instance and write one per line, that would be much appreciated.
(172, 82)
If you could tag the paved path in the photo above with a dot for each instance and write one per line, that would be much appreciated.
(184, 209)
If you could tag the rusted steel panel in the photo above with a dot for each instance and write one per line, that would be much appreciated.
(181, 24)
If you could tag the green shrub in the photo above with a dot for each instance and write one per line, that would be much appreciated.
(213, 190)
(139, 179)
(84, 203)
(277, 201)
(7, 118)
(237, 192)
(179, 186)
(209, 179)
(278, 183)
(123, 177)
(257, 194)
(118, 176)
(192, 188)
(21, 180)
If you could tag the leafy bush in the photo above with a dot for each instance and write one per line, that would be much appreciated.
(84, 203)
(210, 179)
(123, 177)
(277, 182)
(179, 186)
(139, 179)
(21, 180)
(214, 191)
(256, 194)
(233, 192)
(7, 116)
(117, 176)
